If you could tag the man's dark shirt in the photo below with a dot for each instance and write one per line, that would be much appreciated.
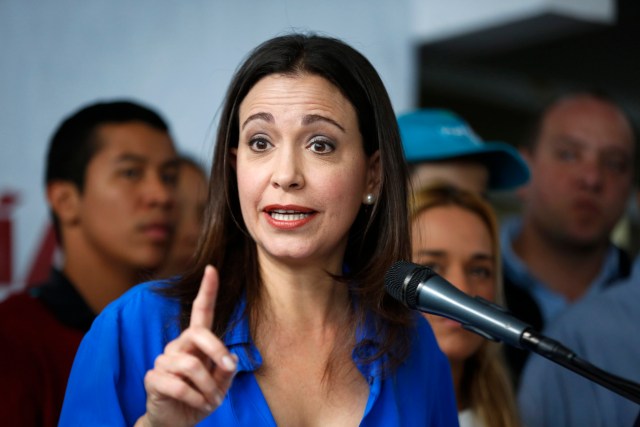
(63, 301)
(40, 331)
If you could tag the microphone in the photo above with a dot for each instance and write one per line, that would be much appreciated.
(418, 287)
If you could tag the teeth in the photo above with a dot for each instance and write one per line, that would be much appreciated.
(288, 215)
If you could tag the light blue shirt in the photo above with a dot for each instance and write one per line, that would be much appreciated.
(106, 383)
(550, 303)
(603, 330)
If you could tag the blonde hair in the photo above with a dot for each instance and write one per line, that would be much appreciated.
(485, 385)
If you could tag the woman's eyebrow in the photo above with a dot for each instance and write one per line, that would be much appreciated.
(482, 256)
(312, 118)
(267, 117)
(431, 252)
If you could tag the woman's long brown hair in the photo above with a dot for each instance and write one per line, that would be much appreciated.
(380, 233)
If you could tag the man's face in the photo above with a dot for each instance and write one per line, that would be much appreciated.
(125, 209)
(581, 172)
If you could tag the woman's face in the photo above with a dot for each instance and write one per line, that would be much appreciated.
(301, 168)
(457, 245)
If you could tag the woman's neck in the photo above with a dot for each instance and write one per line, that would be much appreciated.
(302, 296)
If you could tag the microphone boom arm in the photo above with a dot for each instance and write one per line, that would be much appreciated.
(558, 353)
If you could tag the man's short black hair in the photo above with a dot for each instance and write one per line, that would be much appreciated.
(74, 143)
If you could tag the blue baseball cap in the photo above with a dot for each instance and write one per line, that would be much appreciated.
(436, 134)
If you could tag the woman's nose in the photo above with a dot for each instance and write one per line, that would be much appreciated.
(287, 169)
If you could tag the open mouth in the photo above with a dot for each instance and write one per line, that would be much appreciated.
(288, 215)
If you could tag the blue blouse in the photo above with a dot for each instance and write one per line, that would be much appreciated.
(106, 386)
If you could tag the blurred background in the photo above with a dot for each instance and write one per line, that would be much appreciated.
(492, 61)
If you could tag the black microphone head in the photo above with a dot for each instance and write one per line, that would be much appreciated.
(402, 279)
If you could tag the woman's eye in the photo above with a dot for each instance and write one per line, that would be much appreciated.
(259, 144)
(435, 267)
(321, 146)
(482, 272)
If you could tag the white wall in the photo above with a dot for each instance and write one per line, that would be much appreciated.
(177, 56)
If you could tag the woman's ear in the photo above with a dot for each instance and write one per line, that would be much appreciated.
(374, 174)
(64, 200)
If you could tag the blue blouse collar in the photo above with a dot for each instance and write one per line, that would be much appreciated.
(238, 340)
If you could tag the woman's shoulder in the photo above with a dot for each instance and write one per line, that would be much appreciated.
(426, 373)
(121, 346)
(423, 332)
(424, 347)
(141, 295)
(144, 303)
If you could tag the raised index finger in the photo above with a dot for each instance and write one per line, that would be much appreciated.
(204, 304)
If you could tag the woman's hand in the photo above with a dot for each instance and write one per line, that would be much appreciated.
(192, 376)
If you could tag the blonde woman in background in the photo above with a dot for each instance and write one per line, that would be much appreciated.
(454, 232)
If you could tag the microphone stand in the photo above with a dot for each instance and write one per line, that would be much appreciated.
(556, 352)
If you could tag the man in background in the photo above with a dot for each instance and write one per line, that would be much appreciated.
(601, 329)
(111, 172)
(440, 146)
(581, 158)
(190, 205)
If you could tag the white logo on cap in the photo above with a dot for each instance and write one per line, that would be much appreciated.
(461, 131)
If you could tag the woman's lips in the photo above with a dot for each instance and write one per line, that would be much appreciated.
(288, 217)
